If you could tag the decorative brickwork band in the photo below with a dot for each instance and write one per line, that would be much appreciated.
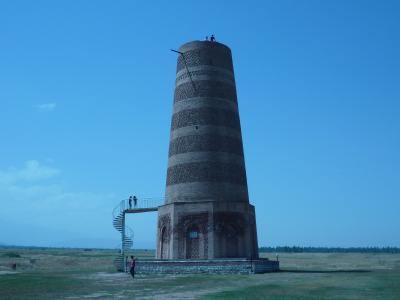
(197, 102)
(205, 88)
(205, 116)
(208, 172)
(212, 56)
(205, 75)
(203, 143)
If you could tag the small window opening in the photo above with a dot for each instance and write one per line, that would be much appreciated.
(193, 234)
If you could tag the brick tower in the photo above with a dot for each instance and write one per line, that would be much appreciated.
(206, 213)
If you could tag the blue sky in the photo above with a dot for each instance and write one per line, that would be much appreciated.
(86, 93)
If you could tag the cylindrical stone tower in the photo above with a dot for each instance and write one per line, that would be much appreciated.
(207, 212)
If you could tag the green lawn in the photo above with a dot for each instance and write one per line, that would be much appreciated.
(77, 274)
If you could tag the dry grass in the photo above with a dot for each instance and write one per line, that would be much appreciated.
(78, 274)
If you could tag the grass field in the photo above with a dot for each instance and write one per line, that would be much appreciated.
(79, 274)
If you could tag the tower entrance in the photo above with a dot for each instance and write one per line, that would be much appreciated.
(193, 243)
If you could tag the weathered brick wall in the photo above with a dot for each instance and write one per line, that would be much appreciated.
(205, 120)
(206, 171)
(206, 266)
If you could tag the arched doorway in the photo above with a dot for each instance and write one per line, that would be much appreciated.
(164, 244)
(193, 242)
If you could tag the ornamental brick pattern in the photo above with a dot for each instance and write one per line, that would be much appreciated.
(206, 171)
(205, 116)
(205, 88)
(206, 56)
(205, 143)
(209, 215)
(226, 76)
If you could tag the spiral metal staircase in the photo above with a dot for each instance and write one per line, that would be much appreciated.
(126, 235)
(119, 214)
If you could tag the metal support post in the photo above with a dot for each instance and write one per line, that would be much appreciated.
(123, 241)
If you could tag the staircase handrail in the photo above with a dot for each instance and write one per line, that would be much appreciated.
(145, 202)
(119, 208)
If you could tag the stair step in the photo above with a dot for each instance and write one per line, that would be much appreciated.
(127, 239)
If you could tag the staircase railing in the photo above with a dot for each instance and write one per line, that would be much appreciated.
(144, 203)
(127, 234)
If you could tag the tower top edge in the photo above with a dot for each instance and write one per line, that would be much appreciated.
(202, 44)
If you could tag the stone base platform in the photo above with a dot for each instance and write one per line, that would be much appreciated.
(211, 266)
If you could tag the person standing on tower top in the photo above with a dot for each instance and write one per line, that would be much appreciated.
(212, 38)
(134, 201)
(130, 202)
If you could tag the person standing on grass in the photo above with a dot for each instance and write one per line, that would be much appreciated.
(132, 266)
